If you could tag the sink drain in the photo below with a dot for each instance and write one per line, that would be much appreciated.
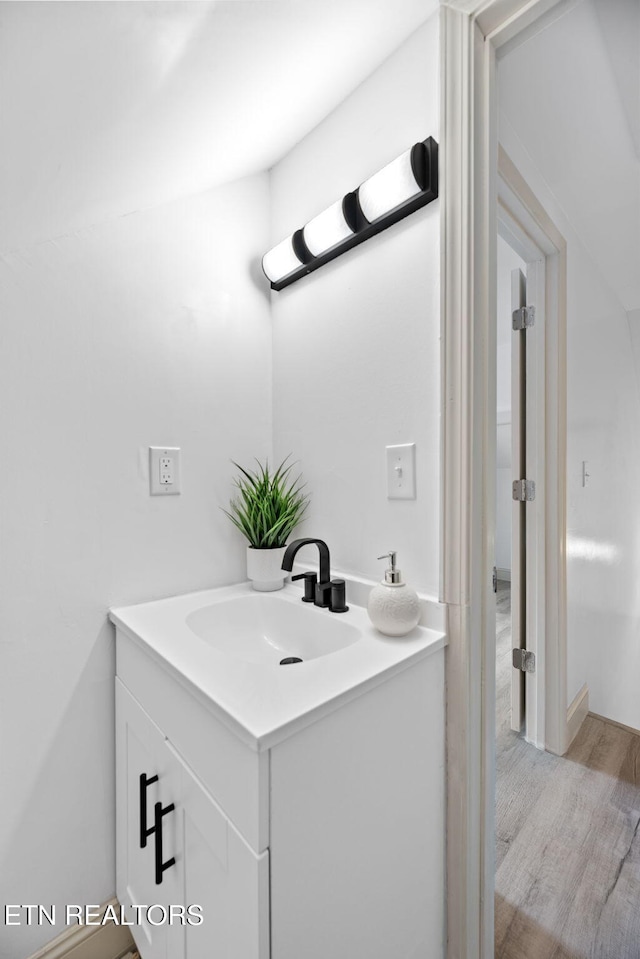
(290, 659)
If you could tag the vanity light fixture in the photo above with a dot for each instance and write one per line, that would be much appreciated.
(403, 186)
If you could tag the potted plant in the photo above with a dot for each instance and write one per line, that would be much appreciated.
(268, 506)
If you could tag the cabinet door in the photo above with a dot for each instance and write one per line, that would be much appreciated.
(221, 874)
(146, 826)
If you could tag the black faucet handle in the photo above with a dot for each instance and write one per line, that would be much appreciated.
(337, 603)
(310, 580)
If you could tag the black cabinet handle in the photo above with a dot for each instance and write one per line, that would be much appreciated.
(161, 811)
(144, 832)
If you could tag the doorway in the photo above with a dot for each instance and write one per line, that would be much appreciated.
(536, 283)
(520, 474)
(481, 178)
(530, 655)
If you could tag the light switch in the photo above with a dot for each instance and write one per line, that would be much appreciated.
(164, 470)
(401, 471)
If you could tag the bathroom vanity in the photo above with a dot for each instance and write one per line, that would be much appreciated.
(299, 806)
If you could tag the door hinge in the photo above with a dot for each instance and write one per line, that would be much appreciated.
(524, 490)
(524, 660)
(495, 580)
(523, 318)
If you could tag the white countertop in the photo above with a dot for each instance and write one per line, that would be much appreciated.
(264, 704)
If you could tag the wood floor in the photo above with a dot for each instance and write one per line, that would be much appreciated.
(568, 836)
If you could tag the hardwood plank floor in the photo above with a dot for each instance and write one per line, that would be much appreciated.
(567, 836)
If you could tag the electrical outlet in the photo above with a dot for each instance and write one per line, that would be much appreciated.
(164, 470)
(401, 471)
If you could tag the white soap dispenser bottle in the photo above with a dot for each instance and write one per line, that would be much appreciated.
(393, 607)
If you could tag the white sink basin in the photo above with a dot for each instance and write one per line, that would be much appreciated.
(268, 629)
(226, 645)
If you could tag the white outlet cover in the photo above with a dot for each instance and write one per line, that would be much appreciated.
(401, 471)
(156, 455)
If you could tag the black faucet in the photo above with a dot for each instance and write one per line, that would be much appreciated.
(321, 589)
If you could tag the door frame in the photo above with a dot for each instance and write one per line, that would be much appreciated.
(472, 32)
(524, 222)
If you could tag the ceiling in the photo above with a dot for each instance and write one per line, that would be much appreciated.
(571, 95)
(107, 108)
(111, 107)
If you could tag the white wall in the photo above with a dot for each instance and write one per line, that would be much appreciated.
(603, 518)
(603, 525)
(356, 348)
(147, 329)
(153, 328)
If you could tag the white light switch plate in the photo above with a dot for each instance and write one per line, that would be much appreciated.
(164, 470)
(401, 471)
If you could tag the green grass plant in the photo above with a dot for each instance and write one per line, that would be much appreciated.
(268, 505)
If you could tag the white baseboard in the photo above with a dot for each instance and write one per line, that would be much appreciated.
(90, 942)
(503, 574)
(577, 713)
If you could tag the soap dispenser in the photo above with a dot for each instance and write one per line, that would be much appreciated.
(393, 607)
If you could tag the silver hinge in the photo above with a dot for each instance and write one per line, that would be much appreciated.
(523, 318)
(524, 660)
(524, 490)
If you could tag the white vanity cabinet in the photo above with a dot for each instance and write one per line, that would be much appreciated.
(318, 835)
(176, 849)
(144, 778)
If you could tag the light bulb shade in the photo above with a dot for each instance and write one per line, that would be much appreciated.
(280, 261)
(327, 229)
(389, 188)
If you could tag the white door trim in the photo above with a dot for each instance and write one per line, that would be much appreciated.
(522, 218)
(471, 33)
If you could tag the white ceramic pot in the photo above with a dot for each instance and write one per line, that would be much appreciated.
(264, 568)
